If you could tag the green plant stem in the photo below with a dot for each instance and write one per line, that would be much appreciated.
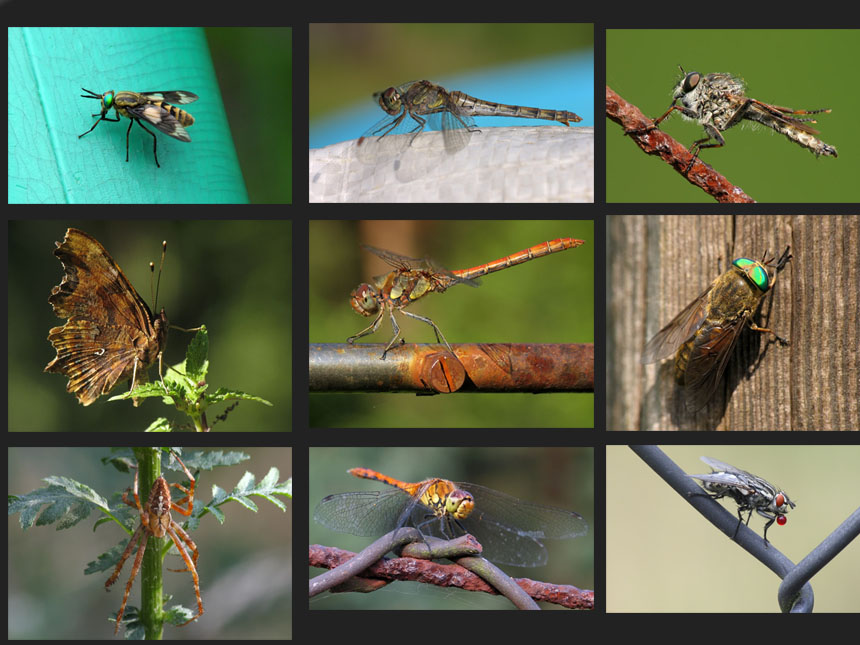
(151, 583)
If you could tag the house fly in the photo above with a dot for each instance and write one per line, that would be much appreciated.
(751, 493)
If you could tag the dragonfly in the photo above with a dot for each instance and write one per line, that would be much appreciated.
(414, 278)
(718, 102)
(412, 106)
(750, 493)
(510, 530)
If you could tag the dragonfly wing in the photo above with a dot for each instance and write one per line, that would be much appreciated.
(368, 514)
(457, 127)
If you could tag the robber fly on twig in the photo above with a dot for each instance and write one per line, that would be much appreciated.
(153, 107)
(718, 101)
(751, 493)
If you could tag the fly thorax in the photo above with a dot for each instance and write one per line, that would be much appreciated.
(363, 300)
(459, 504)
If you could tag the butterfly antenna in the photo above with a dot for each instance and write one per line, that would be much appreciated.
(160, 269)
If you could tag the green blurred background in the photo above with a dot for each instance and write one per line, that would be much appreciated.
(801, 69)
(254, 67)
(245, 564)
(232, 276)
(561, 477)
(663, 556)
(546, 300)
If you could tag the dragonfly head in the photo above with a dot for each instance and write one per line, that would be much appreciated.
(363, 300)
(459, 504)
(390, 101)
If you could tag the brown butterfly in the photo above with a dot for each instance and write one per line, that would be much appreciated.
(111, 335)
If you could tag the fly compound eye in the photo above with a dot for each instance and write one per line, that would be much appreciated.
(781, 520)
(107, 100)
(691, 80)
(755, 271)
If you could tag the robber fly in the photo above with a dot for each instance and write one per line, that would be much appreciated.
(718, 102)
(751, 493)
(153, 107)
(704, 333)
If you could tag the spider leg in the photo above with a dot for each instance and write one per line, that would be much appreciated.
(187, 539)
(131, 543)
(190, 566)
(189, 492)
(134, 569)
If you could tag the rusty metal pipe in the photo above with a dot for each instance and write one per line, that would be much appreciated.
(479, 367)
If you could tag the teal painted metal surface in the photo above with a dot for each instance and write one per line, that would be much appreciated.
(48, 163)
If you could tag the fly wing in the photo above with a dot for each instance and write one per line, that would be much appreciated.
(177, 97)
(781, 114)
(161, 118)
(721, 466)
(708, 359)
(668, 339)
(729, 480)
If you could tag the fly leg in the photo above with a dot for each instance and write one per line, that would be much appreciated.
(765, 330)
(771, 519)
(656, 122)
(103, 118)
(154, 141)
(712, 133)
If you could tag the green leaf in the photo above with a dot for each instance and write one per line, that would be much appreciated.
(68, 502)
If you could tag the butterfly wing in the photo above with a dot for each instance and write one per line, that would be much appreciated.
(111, 335)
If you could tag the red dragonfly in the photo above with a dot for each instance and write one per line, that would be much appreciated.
(510, 530)
(414, 278)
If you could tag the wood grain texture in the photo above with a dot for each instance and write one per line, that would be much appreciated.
(658, 264)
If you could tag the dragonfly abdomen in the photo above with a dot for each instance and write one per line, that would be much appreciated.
(539, 250)
(479, 107)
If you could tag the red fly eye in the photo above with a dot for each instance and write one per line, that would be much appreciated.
(782, 519)
(780, 500)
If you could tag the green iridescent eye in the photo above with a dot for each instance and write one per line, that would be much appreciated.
(108, 100)
(755, 271)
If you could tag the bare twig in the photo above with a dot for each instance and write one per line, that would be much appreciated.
(656, 142)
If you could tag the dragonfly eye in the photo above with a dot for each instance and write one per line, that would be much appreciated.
(363, 300)
(691, 80)
(390, 101)
(755, 272)
(460, 504)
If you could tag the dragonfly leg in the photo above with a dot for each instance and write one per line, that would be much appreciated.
(368, 330)
(388, 128)
(439, 336)
(396, 334)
